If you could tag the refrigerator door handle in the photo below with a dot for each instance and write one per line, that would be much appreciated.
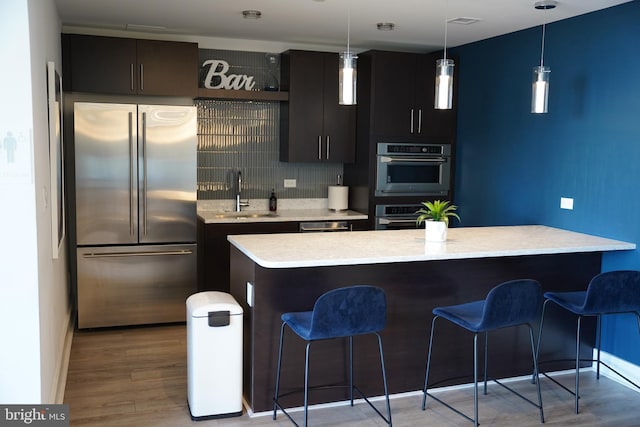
(144, 173)
(131, 176)
(133, 254)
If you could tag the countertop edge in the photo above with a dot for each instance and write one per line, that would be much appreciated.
(433, 252)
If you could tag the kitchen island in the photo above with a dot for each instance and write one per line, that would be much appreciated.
(272, 274)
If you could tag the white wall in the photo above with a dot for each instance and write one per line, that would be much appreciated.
(53, 278)
(34, 308)
(19, 319)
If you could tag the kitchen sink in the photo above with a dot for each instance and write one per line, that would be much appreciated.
(240, 215)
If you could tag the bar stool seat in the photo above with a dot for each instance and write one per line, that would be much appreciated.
(339, 313)
(512, 303)
(613, 292)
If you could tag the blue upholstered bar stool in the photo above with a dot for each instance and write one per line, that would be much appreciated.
(512, 303)
(339, 313)
(614, 292)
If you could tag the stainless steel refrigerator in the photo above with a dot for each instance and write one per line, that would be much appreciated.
(135, 197)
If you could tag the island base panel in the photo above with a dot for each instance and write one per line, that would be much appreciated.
(413, 289)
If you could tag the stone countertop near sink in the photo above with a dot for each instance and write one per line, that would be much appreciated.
(298, 210)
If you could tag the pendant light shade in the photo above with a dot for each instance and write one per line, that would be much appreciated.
(444, 84)
(347, 72)
(541, 74)
(347, 78)
(443, 99)
(540, 89)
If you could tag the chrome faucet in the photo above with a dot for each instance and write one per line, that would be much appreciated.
(239, 203)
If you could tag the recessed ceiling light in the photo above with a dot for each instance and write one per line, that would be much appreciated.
(385, 26)
(545, 4)
(251, 14)
(463, 20)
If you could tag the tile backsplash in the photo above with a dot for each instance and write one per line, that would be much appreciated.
(244, 136)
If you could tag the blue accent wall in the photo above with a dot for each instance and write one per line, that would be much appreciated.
(513, 167)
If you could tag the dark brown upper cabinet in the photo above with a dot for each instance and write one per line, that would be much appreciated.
(122, 66)
(402, 96)
(313, 126)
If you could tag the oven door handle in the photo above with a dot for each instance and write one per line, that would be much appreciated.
(388, 159)
(387, 221)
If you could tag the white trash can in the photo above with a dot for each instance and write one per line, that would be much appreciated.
(214, 355)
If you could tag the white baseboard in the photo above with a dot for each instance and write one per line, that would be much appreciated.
(627, 369)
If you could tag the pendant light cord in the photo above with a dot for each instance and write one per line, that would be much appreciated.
(446, 14)
(542, 50)
(348, 28)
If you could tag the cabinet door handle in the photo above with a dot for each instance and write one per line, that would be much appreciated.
(411, 129)
(420, 121)
(319, 147)
(141, 77)
(328, 144)
(133, 77)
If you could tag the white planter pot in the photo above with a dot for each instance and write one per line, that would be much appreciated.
(435, 231)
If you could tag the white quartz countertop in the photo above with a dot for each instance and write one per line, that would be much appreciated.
(290, 250)
(298, 215)
(298, 210)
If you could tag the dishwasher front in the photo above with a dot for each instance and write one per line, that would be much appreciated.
(319, 226)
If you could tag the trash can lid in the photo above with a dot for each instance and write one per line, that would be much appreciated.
(200, 304)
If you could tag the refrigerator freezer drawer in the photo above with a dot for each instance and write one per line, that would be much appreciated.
(134, 285)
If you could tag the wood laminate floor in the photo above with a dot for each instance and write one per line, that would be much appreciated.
(138, 377)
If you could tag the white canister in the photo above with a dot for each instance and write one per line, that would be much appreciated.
(338, 198)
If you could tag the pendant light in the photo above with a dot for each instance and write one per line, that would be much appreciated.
(444, 78)
(347, 72)
(541, 73)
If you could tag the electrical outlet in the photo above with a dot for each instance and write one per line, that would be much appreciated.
(566, 203)
(289, 183)
(250, 294)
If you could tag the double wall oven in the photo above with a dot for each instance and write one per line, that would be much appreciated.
(406, 172)
(405, 169)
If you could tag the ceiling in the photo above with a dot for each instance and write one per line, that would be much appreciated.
(419, 24)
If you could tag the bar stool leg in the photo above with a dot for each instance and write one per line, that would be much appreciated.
(475, 380)
(486, 359)
(544, 309)
(578, 363)
(384, 380)
(598, 343)
(536, 372)
(351, 369)
(275, 394)
(306, 383)
(426, 377)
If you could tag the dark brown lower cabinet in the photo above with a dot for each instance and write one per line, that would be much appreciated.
(213, 249)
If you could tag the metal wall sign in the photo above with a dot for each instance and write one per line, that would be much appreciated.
(237, 70)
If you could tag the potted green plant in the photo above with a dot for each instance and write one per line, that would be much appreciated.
(436, 215)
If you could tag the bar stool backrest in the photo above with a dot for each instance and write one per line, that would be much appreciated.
(511, 303)
(613, 292)
(353, 310)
